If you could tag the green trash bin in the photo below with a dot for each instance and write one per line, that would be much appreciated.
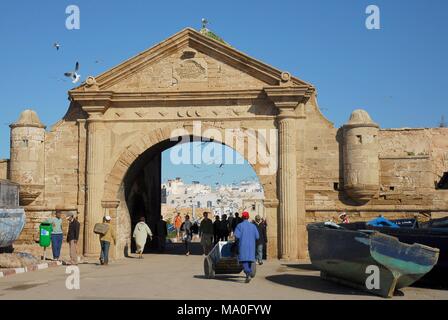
(45, 230)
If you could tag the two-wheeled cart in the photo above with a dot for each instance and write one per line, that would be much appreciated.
(223, 260)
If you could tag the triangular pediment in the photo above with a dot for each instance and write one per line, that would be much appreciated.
(188, 61)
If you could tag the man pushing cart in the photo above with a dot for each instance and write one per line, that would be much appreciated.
(223, 259)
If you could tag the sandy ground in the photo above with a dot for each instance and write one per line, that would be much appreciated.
(176, 276)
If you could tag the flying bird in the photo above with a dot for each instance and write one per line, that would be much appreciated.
(74, 74)
(57, 46)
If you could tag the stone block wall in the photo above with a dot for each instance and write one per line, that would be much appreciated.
(62, 166)
(412, 161)
(61, 181)
(4, 169)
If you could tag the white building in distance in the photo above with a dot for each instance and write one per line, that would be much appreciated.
(223, 199)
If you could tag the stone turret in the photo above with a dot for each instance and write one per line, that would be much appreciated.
(27, 164)
(361, 157)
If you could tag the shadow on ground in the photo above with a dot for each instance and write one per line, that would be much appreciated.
(227, 278)
(313, 283)
(176, 249)
(304, 266)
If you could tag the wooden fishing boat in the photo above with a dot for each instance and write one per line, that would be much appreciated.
(12, 217)
(433, 233)
(346, 256)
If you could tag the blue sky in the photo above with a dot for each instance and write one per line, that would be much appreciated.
(397, 73)
(212, 170)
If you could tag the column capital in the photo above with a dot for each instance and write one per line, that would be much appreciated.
(271, 203)
(94, 112)
(110, 204)
(93, 103)
(288, 98)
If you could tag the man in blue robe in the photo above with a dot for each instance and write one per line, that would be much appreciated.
(247, 235)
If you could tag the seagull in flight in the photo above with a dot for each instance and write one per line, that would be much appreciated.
(74, 74)
(57, 46)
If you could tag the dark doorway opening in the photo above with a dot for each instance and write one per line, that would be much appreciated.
(443, 183)
(143, 192)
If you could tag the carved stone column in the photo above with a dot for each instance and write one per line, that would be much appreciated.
(287, 99)
(287, 184)
(94, 209)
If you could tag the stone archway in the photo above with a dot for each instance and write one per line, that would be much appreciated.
(132, 152)
(160, 89)
(114, 199)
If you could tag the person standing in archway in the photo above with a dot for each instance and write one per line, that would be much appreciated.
(236, 221)
(187, 234)
(230, 224)
(141, 233)
(247, 235)
(162, 233)
(224, 229)
(216, 226)
(262, 240)
(206, 233)
(177, 225)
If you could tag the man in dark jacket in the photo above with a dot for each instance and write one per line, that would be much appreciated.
(230, 221)
(216, 234)
(236, 221)
(262, 240)
(73, 237)
(224, 229)
(206, 233)
(162, 233)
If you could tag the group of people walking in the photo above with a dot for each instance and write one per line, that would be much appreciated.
(221, 229)
(250, 237)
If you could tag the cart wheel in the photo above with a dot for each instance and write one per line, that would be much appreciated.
(208, 268)
(254, 269)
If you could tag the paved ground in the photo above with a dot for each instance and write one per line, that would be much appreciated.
(175, 276)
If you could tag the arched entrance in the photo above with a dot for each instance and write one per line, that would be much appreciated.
(135, 180)
(141, 187)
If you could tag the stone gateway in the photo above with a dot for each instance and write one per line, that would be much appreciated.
(104, 156)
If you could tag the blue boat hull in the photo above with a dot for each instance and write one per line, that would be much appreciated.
(433, 234)
(344, 256)
(12, 222)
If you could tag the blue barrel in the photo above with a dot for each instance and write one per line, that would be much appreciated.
(12, 222)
